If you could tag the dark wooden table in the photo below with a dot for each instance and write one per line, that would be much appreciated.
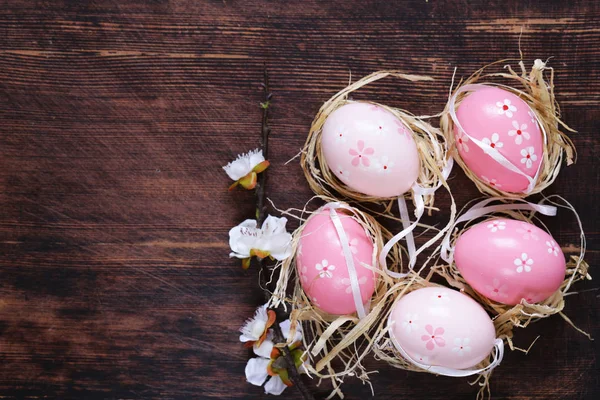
(115, 120)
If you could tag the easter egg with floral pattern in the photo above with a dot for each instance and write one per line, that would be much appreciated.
(506, 130)
(507, 260)
(321, 262)
(442, 327)
(370, 150)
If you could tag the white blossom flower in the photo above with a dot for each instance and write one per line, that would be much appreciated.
(346, 282)
(461, 142)
(254, 328)
(247, 240)
(506, 108)
(519, 132)
(461, 346)
(528, 156)
(524, 263)
(496, 225)
(410, 322)
(491, 182)
(256, 368)
(325, 269)
(494, 142)
(244, 168)
(383, 165)
(553, 247)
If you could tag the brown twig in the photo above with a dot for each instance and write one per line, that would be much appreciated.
(260, 216)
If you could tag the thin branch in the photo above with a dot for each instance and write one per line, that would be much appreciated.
(260, 216)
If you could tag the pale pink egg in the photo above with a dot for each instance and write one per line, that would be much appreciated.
(507, 260)
(370, 150)
(506, 123)
(322, 266)
(442, 327)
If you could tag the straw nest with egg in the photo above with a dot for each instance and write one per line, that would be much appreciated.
(507, 317)
(385, 350)
(536, 88)
(335, 345)
(431, 147)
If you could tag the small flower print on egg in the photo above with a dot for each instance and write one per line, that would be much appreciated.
(346, 282)
(434, 337)
(519, 132)
(384, 165)
(341, 134)
(491, 182)
(494, 143)
(343, 174)
(461, 142)
(461, 346)
(421, 359)
(528, 156)
(360, 154)
(325, 269)
(380, 128)
(553, 248)
(497, 290)
(527, 232)
(352, 245)
(496, 225)
(403, 130)
(410, 322)
(506, 108)
(315, 301)
(524, 263)
(375, 107)
(533, 118)
(440, 297)
(303, 276)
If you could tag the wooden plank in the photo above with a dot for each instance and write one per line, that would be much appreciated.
(115, 120)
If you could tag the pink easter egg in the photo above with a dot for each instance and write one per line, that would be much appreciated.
(507, 260)
(370, 150)
(506, 123)
(442, 327)
(322, 266)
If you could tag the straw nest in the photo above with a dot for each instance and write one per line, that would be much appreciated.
(538, 92)
(506, 317)
(431, 147)
(335, 345)
(384, 349)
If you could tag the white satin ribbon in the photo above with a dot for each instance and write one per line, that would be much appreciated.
(446, 371)
(480, 209)
(492, 152)
(339, 228)
(407, 227)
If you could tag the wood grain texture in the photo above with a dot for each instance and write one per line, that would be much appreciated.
(115, 118)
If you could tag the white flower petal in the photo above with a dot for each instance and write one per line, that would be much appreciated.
(256, 370)
(264, 350)
(275, 386)
(243, 164)
(285, 330)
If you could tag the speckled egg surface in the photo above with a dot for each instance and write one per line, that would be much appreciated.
(370, 150)
(508, 260)
(442, 327)
(322, 265)
(507, 124)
